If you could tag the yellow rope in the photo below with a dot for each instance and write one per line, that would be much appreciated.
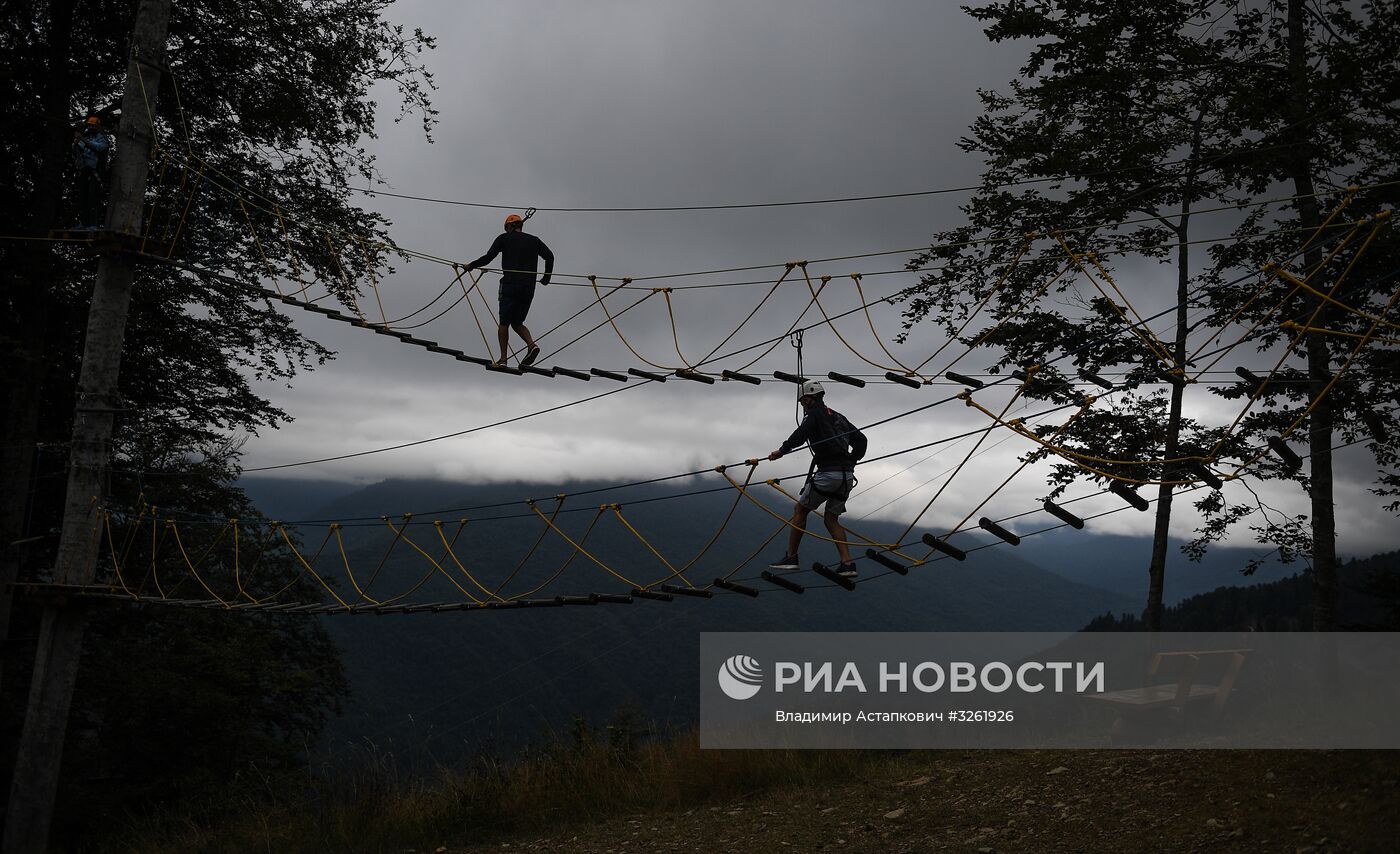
(1144, 335)
(1068, 453)
(603, 323)
(1297, 339)
(1336, 211)
(568, 560)
(967, 398)
(675, 573)
(1247, 333)
(1283, 301)
(445, 574)
(437, 524)
(194, 566)
(485, 303)
(1159, 346)
(1001, 280)
(1294, 327)
(112, 549)
(580, 549)
(385, 558)
(786, 270)
(135, 532)
(467, 293)
(857, 534)
(753, 467)
(334, 529)
(1303, 416)
(753, 554)
(612, 319)
(987, 333)
(194, 192)
(150, 113)
(340, 269)
(831, 324)
(787, 522)
(1349, 309)
(257, 241)
(237, 569)
(565, 321)
(520, 564)
(272, 527)
(865, 307)
(1088, 402)
(291, 253)
(780, 339)
(155, 547)
(374, 283)
(314, 574)
(675, 336)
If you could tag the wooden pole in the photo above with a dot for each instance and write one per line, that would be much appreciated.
(35, 784)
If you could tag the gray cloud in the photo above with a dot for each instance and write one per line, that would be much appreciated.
(655, 104)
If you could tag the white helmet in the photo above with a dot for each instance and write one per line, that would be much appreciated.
(812, 388)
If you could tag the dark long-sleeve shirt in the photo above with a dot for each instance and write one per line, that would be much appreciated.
(520, 254)
(836, 444)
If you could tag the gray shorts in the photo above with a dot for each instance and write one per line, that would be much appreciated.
(829, 487)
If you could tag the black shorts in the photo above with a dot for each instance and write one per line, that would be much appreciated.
(515, 302)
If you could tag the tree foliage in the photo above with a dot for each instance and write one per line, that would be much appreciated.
(1127, 124)
(261, 118)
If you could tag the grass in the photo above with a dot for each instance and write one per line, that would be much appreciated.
(378, 807)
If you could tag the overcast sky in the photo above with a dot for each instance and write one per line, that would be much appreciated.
(631, 104)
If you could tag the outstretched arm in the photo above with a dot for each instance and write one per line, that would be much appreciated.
(797, 439)
(488, 257)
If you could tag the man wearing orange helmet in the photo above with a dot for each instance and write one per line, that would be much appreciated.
(520, 254)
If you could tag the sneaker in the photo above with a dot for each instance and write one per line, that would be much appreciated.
(847, 570)
(530, 356)
(788, 562)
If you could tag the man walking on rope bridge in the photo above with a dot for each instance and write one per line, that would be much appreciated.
(520, 254)
(836, 448)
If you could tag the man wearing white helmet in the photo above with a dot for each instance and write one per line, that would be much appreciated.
(836, 448)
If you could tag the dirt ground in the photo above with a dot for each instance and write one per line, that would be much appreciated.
(989, 801)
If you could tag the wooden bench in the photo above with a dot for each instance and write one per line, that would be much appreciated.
(1185, 690)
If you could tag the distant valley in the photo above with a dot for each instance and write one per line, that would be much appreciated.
(434, 687)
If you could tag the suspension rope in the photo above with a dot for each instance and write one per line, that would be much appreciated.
(558, 505)
(578, 547)
(568, 560)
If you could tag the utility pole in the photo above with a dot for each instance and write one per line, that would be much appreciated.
(31, 803)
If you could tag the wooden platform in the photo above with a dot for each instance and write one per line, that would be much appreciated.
(103, 240)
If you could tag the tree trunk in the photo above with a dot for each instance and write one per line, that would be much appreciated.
(61, 630)
(1324, 522)
(1171, 446)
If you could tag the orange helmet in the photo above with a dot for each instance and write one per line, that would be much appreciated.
(93, 120)
(514, 219)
